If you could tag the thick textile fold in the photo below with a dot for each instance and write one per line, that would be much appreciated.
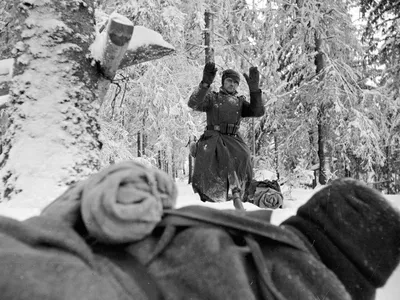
(120, 204)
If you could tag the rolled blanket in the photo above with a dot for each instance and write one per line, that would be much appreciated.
(268, 198)
(264, 194)
(120, 204)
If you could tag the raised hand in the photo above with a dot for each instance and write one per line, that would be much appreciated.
(253, 79)
(209, 73)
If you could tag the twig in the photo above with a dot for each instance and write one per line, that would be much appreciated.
(123, 96)
(115, 97)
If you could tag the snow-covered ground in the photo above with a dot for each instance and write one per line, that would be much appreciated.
(391, 291)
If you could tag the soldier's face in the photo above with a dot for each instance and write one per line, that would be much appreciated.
(230, 85)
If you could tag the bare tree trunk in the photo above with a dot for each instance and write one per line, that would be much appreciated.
(144, 143)
(313, 155)
(388, 171)
(208, 36)
(276, 154)
(173, 166)
(139, 143)
(159, 160)
(323, 126)
(259, 133)
(53, 136)
(165, 162)
(322, 151)
(190, 169)
(141, 140)
(144, 137)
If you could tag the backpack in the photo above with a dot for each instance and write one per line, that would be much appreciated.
(264, 194)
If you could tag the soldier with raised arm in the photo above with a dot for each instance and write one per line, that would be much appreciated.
(222, 157)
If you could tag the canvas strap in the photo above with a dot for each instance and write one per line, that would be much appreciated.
(256, 223)
(247, 224)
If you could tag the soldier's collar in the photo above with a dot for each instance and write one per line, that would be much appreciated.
(224, 91)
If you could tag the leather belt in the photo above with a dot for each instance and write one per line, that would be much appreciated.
(224, 128)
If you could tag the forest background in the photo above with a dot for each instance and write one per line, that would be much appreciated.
(329, 75)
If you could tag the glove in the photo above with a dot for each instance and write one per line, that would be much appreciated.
(209, 73)
(253, 79)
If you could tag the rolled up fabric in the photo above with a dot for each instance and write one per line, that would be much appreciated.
(268, 198)
(120, 204)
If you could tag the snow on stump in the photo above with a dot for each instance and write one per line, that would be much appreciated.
(110, 45)
(121, 45)
(145, 45)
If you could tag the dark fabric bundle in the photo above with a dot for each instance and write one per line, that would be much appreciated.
(268, 198)
(229, 73)
(355, 231)
(264, 194)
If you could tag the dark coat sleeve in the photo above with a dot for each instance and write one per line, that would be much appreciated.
(201, 99)
(256, 106)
